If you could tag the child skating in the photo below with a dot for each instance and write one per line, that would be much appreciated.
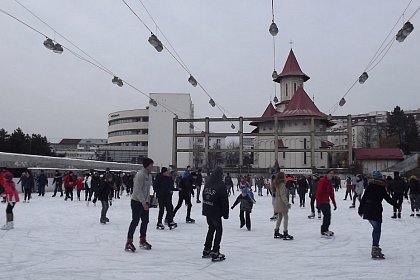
(12, 197)
(247, 203)
(281, 207)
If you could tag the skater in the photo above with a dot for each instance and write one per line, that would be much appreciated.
(291, 188)
(302, 190)
(414, 190)
(69, 183)
(95, 183)
(12, 197)
(245, 208)
(185, 192)
(358, 190)
(58, 183)
(118, 184)
(164, 186)
(140, 206)
(104, 191)
(281, 207)
(398, 188)
(312, 196)
(260, 185)
(198, 183)
(238, 182)
(187, 172)
(324, 193)
(42, 182)
(28, 185)
(229, 184)
(215, 206)
(79, 186)
(371, 209)
(348, 188)
(88, 188)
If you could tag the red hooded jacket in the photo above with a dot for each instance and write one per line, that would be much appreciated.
(324, 192)
(9, 186)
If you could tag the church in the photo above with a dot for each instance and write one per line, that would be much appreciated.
(295, 111)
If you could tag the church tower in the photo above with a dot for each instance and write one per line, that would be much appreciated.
(290, 79)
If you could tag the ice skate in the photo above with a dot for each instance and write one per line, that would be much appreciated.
(312, 216)
(7, 226)
(165, 222)
(319, 215)
(217, 257)
(206, 254)
(327, 234)
(377, 253)
(287, 236)
(394, 216)
(399, 215)
(129, 246)
(352, 206)
(172, 225)
(160, 226)
(190, 221)
(144, 244)
(274, 218)
(412, 214)
(106, 219)
(277, 234)
(102, 221)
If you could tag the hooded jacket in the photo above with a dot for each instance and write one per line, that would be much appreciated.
(371, 204)
(215, 198)
(163, 185)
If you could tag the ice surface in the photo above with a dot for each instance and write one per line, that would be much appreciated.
(54, 239)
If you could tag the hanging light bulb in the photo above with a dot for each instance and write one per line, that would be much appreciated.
(212, 103)
(191, 126)
(153, 102)
(115, 80)
(404, 31)
(232, 126)
(274, 75)
(49, 44)
(273, 29)
(224, 117)
(363, 77)
(192, 81)
(58, 48)
(276, 100)
(342, 102)
(120, 83)
(155, 42)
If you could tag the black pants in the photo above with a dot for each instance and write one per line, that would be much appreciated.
(138, 213)
(9, 208)
(326, 211)
(229, 188)
(105, 207)
(88, 194)
(245, 218)
(302, 199)
(28, 193)
(41, 190)
(313, 198)
(69, 193)
(78, 194)
(269, 192)
(117, 192)
(354, 198)
(58, 187)
(215, 226)
(348, 192)
(399, 198)
(187, 199)
(165, 202)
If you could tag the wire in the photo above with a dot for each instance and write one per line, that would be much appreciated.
(387, 48)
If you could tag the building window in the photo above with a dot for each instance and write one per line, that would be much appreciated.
(287, 89)
(304, 143)
(284, 155)
(321, 155)
(294, 88)
(304, 158)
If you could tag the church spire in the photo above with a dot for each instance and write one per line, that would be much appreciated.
(291, 69)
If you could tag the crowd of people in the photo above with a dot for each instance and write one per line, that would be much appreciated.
(104, 187)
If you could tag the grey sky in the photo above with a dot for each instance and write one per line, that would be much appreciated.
(226, 45)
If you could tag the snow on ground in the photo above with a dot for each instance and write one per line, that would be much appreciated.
(58, 240)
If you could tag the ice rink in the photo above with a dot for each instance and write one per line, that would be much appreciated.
(54, 239)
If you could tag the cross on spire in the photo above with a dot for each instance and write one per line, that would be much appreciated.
(291, 43)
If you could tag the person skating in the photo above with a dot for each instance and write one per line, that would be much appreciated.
(69, 183)
(370, 209)
(105, 189)
(95, 184)
(312, 195)
(140, 200)
(245, 208)
(215, 206)
(58, 183)
(398, 188)
(42, 182)
(88, 188)
(229, 184)
(118, 185)
(358, 191)
(281, 207)
(29, 185)
(185, 192)
(198, 184)
(12, 197)
(413, 189)
(324, 193)
(291, 188)
(302, 188)
(79, 186)
(164, 186)
(349, 187)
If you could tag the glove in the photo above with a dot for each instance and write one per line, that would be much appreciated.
(335, 207)
(231, 207)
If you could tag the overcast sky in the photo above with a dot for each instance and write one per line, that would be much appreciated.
(226, 44)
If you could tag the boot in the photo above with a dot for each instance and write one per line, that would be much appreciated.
(7, 226)
(277, 234)
(312, 216)
(206, 254)
(394, 216)
(377, 253)
(144, 244)
(287, 236)
(399, 215)
(412, 214)
(129, 246)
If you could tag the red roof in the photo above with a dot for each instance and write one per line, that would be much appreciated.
(326, 144)
(378, 154)
(291, 68)
(67, 141)
(301, 105)
(269, 112)
(281, 144)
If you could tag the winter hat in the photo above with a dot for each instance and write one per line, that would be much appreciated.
(413, 178)
(245, 190)
(163, 170)
(376, 175)
(147, 161)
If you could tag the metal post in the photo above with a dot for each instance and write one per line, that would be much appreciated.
(312, 143)
(276, 140)
(241, 141)
(206, 143)
(175, 143)
(350, 141)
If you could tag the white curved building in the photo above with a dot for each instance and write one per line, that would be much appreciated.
(129, 128)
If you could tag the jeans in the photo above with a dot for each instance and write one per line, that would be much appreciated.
(78, 194)
(9, 208)
(41, 190)
(415, 202)
(229, 188)
(354, 198)
(58, 187)
(302, 199)
(326, 211)
(245, 218)
(215, 226)
(348, 192)
(399, 198)
(69, 193)
(88, 194)
(138, 213)
(376, 232)
(105, 207)
(280, 217)
(313, 198)
(166, 202)
(28, 193)
(187, 199)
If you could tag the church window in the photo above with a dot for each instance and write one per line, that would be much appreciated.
(287, 90)
(294, 87)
